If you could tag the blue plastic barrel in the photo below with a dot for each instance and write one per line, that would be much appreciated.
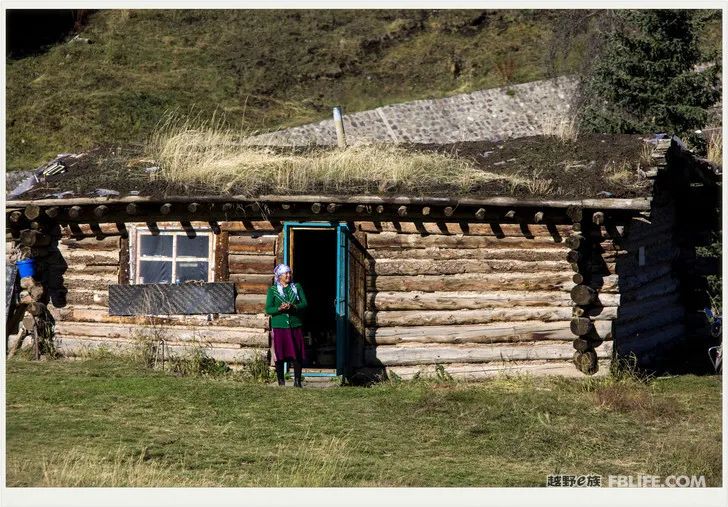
(26, 267)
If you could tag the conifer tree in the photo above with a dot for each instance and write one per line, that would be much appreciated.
(645, 78)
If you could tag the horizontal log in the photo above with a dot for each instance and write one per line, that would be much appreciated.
(249, 244)
(460, 300)
(477, 281)
(74, 346)
(516, 254)
(79, 280)
(468, 229)
(454, 317)
(207, 334)
(481, 333)
(394, 240)
(250, 283)
(251, 264)
(639, 309)
(98, 313)
(91, 269)
(91, 243)
(88, 297)
(664, 285)
(250, 303)
(412, 355)
(673, 313)
(92, 230)
(386, 267)
(652, 342)
(637, 280)
(91, 258)
(635, 204)
(481, 371)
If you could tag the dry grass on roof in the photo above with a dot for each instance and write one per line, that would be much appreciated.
(218, 159)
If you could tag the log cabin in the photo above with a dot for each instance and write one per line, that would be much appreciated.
(543, 281)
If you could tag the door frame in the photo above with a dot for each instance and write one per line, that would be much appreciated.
(342, 284)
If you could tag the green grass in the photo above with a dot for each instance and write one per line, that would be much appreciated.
(106, 422)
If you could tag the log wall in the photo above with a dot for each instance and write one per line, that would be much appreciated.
(651, 317)
(475, 298)
(89, 259)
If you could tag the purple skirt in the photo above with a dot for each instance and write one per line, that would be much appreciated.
(288, 344)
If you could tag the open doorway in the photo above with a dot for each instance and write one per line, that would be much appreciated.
(313, 261)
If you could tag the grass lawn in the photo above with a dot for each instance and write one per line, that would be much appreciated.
(107, 422)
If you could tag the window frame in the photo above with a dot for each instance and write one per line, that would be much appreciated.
(135, 257)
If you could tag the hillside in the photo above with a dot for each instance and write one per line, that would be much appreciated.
(270, 69)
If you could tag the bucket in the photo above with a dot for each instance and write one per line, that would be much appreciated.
(26, 267)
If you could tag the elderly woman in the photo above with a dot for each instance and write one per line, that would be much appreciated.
(285, 303)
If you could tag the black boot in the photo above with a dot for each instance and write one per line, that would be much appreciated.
(279, 373)
(297, 374)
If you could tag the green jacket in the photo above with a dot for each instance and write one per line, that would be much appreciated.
(288, 318)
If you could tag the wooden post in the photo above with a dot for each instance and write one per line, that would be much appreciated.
(538, 217)
(480, 214)
(448, 211)
(339, 126)
(331, 207)
(227, 207)
(402, 211)
(316, 207)
(511, 214)
(573, 256)
(360, 208)
(132, 209)
(598, 218)
(192, 207)
(165, 209)
(52, 212)
(426, 211)
(380, 209)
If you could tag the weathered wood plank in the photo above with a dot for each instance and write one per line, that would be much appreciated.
(251, 264)
(461, 300)
(413, 355)
(74, 346)
(240, 336)
(481, 282)
(252, 244)
(251, 283)
(250, 303)
(516, 254)
(481, 333)
(474, 229)
(91, 243)
(91, 258)
(394, 240)
(450, 267)
(480, 371)
(484, 316)
(97, 313)
(91, 269)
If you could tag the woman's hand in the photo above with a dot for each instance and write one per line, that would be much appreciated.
(284, 307)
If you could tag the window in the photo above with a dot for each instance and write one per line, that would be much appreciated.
(171, 256)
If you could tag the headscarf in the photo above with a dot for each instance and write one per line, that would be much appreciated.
(278, 271)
